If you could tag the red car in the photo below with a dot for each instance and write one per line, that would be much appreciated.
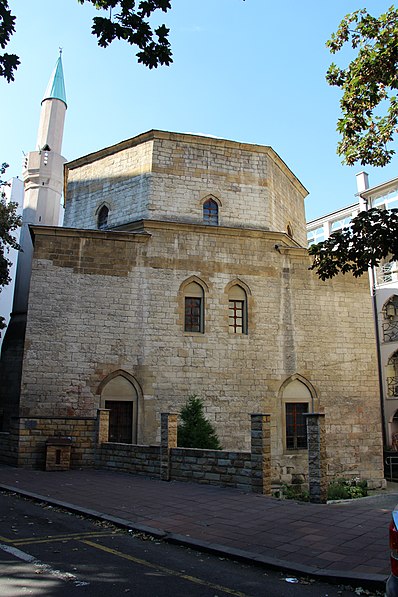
(392, 582)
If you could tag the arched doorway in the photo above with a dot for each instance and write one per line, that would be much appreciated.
(120, 396)
(298, 398)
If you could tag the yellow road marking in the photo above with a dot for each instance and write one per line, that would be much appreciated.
(54, 538)
(168, 571)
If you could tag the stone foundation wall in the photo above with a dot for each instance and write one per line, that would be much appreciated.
(140, 460)
(211, 467)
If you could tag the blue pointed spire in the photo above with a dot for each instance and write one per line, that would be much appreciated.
(56, 86)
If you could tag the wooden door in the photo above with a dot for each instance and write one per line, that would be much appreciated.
(120, 421)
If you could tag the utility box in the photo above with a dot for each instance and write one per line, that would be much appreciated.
(58, 451)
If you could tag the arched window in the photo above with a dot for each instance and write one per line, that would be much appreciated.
(392, 375)
(237, 310)
(210, 212)
(390, 317)
(297, 401)
(194, 308)
(102, 219)
(289, 230)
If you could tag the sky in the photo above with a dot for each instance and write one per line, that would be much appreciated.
(251, 71)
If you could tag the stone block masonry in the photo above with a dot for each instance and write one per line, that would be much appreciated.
(317, 473)
(168, 440)
(261, 453)
(165, 176)
(129, 458)
(110, 303)
(211, 467)
(240, 470)
(131, 319)
(34, 432)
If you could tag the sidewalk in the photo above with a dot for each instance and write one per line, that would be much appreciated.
(345, 541)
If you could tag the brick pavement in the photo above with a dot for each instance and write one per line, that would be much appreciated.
(347, 541)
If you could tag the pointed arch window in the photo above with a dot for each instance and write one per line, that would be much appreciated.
(237, 310)
(194, 308)
(210, 212)
(390, 317)
(297, 402)
(392, 375)
(102, 219)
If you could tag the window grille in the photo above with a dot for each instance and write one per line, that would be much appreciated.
(193, 314)
(296, 426)
(210, 212)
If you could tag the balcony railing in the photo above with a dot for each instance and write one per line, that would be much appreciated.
(390, 331)
(387, 273)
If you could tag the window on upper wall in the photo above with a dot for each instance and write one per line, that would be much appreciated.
(102, 219)
(210, 212)
(237, 310)
(194, 308)
(390, 317)
(392, 376)
(296, 425)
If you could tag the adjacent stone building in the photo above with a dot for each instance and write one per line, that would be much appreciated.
(181, 269)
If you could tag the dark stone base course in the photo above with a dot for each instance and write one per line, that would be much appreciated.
(211, 467)
(129, 458)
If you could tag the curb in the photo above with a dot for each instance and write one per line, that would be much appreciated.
(373, 581)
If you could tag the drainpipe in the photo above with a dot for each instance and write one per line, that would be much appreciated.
(379, 364)
(363, 185)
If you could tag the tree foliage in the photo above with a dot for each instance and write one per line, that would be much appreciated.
(9, 222)
(195, 431)
(127, 20)
(369, 84)
(8, 62)
(372, 238)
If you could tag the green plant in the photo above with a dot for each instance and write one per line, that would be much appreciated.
(295, 492)
(347, 489)
(195, 431)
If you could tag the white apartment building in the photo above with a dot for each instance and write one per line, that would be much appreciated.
(383, 289)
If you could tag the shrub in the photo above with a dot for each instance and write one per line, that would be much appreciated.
(195, 431)
(347, 489)
(295, 492)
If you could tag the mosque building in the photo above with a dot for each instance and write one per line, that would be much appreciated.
(181, 269)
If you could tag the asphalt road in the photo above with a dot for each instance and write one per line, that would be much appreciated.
(48, 552)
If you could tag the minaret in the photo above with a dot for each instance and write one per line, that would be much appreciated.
(43, 168)
(43, 185)
(43, 175)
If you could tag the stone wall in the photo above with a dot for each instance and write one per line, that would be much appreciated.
(167, 176)
(35, 431)
(120, 179)
(116, 305)
(211, 467)
(140, 460)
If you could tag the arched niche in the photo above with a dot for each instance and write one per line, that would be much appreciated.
(298, 397)
(121, 394)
